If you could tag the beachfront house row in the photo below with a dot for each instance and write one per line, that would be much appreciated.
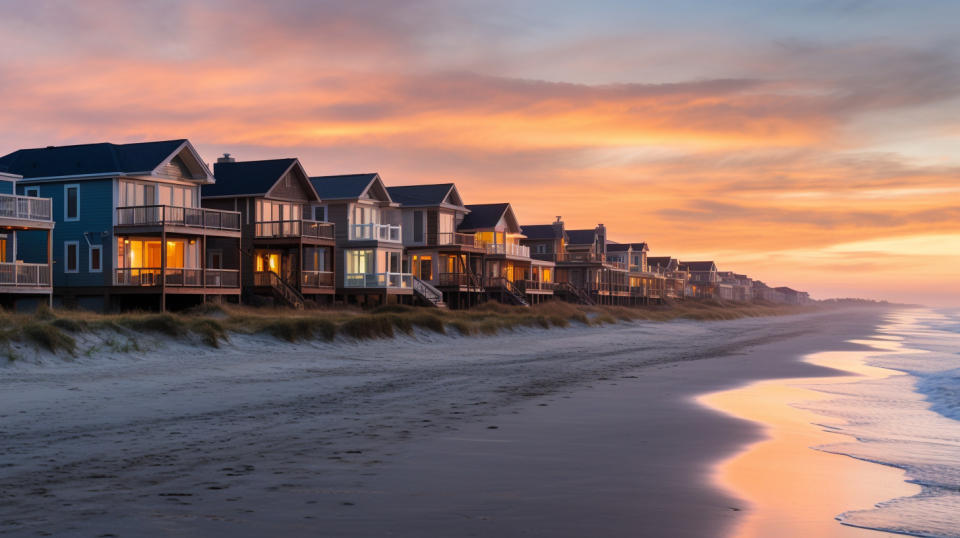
(703, 281)
(130, 231)
(25, 282)
(792, 296)
(370, 265)
(740, 286)
(447, 265)
(675, 277)
(286, 254)
(510, 274)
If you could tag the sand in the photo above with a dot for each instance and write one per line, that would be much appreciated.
(572, 432)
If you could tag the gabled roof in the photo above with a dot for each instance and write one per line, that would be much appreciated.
(784, 289)
(582, 237)
(623, 247)
(483, 216)
(345, 187)
(426, 195)
(698, 266)
(663, 262)
(543, 231)
(90, 159)
(247, 178)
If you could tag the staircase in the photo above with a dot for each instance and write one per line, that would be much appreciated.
(430, 295)
(574, 294)
(280, 288)
(509, 293)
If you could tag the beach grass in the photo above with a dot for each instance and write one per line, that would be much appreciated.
(57, 330)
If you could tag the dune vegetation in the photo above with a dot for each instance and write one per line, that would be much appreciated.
(58, 330)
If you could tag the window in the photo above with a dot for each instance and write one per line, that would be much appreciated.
(360, 261)
(71, 255)
(215, 259)
(71, 203)
(320, 213)
(96, 252)
(418, 226)
(33, 192)
(541, 249)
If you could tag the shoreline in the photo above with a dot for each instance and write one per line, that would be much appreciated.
(808, 496)
(321, 438)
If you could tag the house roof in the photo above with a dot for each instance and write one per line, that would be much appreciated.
(420, 195)
(698, 266)
(343, 186)
(581, 237)
(246, 178)
(784, 289)
(623, 247)
(662, 261)
(542, 231)
(483, 216)
(89, 159)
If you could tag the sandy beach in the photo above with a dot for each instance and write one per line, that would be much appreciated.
(572, 432)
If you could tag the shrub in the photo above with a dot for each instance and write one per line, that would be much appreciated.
(49, 337)
(368, 326)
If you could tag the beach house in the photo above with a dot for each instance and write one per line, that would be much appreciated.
(447, 265)
(287, 255)
(130, 231)
(370, 268)
(646, 287)
(675, 277)
(704, 281)
(25, 282)
(585, 266)
(510, 274)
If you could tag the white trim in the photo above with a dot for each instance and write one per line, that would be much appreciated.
(66, 257)
(66, 188)
(98, 248)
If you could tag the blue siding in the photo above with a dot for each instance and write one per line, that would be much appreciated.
(6, 186)
(96, 219)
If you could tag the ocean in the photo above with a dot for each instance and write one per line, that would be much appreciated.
(909, 420)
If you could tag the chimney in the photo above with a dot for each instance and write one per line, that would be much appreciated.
(601, 232)
(226, 159)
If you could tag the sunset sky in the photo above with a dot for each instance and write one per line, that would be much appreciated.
(807, 143)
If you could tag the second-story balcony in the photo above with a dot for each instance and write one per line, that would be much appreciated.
(375, 232)
(282, 229)
(26, 208)
(508, 249)
(458, 239)
(378, 280)
(197, 218)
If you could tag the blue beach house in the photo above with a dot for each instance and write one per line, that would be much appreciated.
(130, 231)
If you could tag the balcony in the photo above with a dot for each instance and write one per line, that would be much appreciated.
(508, 249)
(281, 229)
(187, 217)
(26, 208)
(375, 232)
(316, 279)
(24, 275)
(531, 286)
(378, 280)
(176, 277)
(457, 239)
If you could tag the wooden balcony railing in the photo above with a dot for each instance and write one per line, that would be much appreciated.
(316, 279)
(376, 232)
(378, 280)
(293, 228)
(176, 277)
(454, 239)
(535, 285)
(166, 215)
(26, 208)
(509, 249)
(28, 275)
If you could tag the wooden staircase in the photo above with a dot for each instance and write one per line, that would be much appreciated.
(574, 294)
(428, 294)
(508, 292)
(280, 288)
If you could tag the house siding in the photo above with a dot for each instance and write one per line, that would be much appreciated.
(96, 220)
